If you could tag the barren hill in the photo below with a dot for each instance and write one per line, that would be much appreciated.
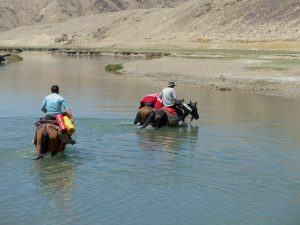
(190, 23)
(29, 12)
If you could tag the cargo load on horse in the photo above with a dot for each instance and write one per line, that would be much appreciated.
(147, 104)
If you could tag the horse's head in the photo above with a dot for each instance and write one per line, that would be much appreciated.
(194, 110)
(190, 109)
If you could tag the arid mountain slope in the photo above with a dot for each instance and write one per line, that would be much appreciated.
(189, 24)
(14, 13)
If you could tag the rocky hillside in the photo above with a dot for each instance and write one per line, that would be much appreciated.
(28, 12)
(142, 23)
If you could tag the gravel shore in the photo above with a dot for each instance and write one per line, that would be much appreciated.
(268, 74)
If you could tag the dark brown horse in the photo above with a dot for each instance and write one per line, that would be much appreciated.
(48, 139)
(162, 118)
(142, 115)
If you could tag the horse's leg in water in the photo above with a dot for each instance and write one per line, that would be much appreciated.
(161, 119)
(44, 145)
(149, 119)
(137, 118)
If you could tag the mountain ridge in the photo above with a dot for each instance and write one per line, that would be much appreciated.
(31, 12)
(182, 23)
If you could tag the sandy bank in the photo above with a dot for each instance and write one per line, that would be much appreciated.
(270, 74)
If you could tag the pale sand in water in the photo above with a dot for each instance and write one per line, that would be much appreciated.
(269, 75)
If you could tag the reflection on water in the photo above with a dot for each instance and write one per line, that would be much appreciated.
(56, 181)
(237, 164)
(168, 139)
(55, 177)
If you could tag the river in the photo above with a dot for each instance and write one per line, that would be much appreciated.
(238, 164)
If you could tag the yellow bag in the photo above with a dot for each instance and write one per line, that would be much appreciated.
(69, 125)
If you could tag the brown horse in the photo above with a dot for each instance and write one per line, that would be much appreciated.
(142, 115)
(48, 138)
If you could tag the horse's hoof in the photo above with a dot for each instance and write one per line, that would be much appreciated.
(38, 157)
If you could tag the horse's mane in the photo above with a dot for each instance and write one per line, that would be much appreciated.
(186, 106)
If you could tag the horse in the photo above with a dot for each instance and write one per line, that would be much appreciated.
(161, 118)
(142, 115)
(48, 138)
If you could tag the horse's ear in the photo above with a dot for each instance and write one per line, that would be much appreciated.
(190, 102)
(196, 102)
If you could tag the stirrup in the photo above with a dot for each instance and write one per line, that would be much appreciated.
(38, 157)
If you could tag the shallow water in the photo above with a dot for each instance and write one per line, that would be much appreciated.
(238, 164)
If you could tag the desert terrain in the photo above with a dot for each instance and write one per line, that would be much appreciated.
(183, 28)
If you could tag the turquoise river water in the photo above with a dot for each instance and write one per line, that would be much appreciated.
(238, 164)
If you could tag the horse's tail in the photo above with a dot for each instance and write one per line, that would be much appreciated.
(137, 118)
(44, 142)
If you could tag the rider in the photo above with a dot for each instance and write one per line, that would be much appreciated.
(168, 94)
(55, 104)
(169, 99)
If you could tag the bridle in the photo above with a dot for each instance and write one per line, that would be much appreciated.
(188, 110)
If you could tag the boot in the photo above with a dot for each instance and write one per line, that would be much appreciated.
(72, 141)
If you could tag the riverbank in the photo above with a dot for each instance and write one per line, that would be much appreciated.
(267, 73)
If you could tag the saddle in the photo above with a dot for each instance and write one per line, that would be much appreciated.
(169, 110)
(44, 120)
(63, 137)
(173, 117)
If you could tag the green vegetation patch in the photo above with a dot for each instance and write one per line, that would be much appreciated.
(276, 65)
(266, 68)
(14, 58)
(263, 83)
(114, 68)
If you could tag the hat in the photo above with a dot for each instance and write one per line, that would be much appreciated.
(171, 84)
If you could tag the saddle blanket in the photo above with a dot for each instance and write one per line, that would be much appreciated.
(170, 110)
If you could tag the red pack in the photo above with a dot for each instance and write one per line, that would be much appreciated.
(158, 104)
(61, 123)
